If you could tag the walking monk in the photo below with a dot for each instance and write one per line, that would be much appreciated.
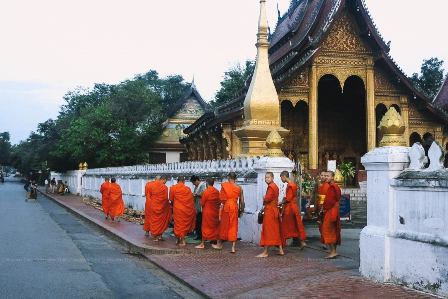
(322, 192)
(116, 208)
(270, 230)
(331, 226)
(159, 208)
(232, 198)
(105, 196)
(210, 214)
(184, 211)
(146, 225)
(291, 224)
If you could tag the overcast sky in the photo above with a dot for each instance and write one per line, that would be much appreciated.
(51, 46)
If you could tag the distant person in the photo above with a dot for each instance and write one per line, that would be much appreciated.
(53, 185)
(33, 190)
(199, 188)
(116, 200)
(210, 204)
(105, 197)
(27, 185)
(184, 212)
(66, 189)
(159, 208)
(331, 225)
(47, 185)
(147, 223)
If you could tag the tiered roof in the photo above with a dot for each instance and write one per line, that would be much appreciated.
(441, 99)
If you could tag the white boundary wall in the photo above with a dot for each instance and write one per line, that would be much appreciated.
(406, 237)
(132, 179)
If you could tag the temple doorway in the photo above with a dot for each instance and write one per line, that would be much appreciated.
(341, 121)
(295, 119)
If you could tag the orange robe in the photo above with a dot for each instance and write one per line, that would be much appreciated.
(159, 209)
(323, 188)
(270, 230)
(331, 226)
(105, 197)
(146, 225)
(116, 201)
(292, 225)
(210, 213)
(228, 227)
(184, 212)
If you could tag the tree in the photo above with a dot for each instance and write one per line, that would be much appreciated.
(431, 77)
(5, 149)
(234, 81)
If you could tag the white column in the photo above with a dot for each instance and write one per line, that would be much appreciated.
(382, 165)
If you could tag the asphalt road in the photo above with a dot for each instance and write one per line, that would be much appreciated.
(47, 252)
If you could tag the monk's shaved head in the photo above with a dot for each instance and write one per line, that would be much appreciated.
(232, 176)
(285, 174)
(270, 174)
(113, 180)
(181, 179)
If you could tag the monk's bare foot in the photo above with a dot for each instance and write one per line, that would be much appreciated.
(264, 254)
(146, 234)
(281, 253)
(161, 239)
(233, 250)
(182, 244)
(331, 256)
(200, 246)
(302, 245)
(217, 247)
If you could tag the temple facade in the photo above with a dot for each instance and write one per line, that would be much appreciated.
(184, 112)
(335, 80)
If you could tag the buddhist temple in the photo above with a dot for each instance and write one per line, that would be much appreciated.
(183, 113)
(334, 80)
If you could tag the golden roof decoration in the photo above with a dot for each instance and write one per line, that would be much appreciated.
(392, 127)
(274, 144)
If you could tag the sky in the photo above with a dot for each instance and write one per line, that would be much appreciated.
(49, 47)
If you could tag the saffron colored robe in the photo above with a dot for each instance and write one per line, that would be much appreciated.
(146, 225)
(292, 225)
(210, 213)
(105, 197)
(184, 212)
(270, 230)
(116, 201)
(159, 208)
(331, 226)
(228, 227)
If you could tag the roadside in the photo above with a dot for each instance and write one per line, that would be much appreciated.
(219, 274)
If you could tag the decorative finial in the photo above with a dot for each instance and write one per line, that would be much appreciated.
(192, 83)
(80, 166)
(274, 144)
(278, 13)
(392, 127)
(84, 166)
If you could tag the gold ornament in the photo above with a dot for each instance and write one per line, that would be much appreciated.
(274, 144)
(80, 166)
(84, 166)
(338, 178)
(392, 127)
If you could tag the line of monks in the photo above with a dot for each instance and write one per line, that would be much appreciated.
(220, 211)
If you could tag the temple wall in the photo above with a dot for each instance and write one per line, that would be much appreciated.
(406, 237)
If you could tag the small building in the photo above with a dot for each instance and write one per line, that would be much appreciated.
(184, 112)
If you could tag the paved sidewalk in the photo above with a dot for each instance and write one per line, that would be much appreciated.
(220, 274)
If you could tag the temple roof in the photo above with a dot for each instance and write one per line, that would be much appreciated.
(298, 37)
(441, 99)
(191, 91)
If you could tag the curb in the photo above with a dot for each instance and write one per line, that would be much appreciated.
(135, 248)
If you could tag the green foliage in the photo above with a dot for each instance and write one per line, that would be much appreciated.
(233, 82)
(308, 183)
(5, 149)
(347, 170)
(431, 78)
(108, 125)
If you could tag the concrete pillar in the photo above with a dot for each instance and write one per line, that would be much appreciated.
(382, 165)
(312, 118)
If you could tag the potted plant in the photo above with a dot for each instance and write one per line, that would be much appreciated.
(347, 170)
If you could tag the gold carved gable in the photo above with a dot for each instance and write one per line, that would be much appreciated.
(344, 37)
(384, 82)
(191, 110)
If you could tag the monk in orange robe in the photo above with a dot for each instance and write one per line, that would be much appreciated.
(232, 199)
(270, 230)
(291, 224)
(116, 200)
(148, 186)
(184, 212)
(331, 225)
(159, 208)
(322, 191)
(210, 204)
(105, 196)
